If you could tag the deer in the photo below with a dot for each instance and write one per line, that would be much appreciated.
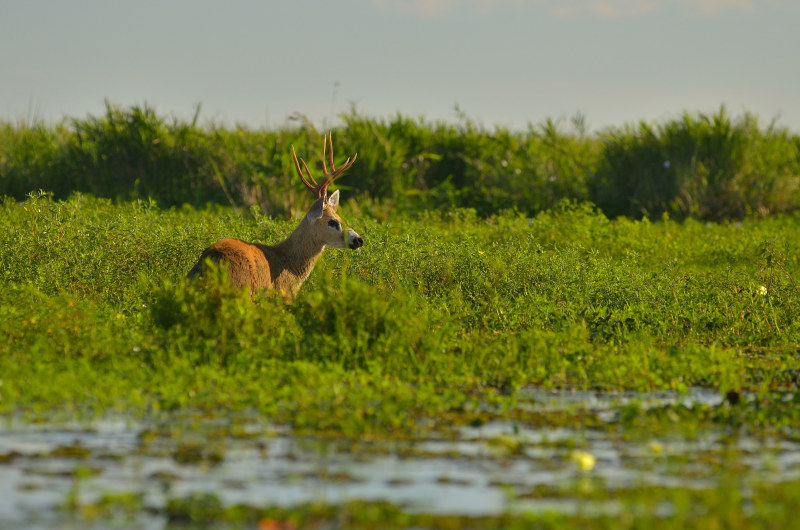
(284, 267)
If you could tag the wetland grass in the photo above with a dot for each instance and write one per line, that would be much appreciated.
(567, 298)
(441, 323)
(554, 367)
(438, 314)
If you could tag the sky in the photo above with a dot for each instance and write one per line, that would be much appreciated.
(501, 63)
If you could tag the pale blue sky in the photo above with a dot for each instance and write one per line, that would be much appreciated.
(503, 62)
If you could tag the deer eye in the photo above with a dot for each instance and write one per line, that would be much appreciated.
(333, 223)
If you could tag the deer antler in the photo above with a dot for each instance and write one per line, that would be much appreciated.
(321, 189)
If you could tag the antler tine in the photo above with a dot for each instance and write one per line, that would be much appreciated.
(321, 189)
(315, 187)
(324, 148)
(310, 176)
(334, 172)
(347, 164)
(330, 140)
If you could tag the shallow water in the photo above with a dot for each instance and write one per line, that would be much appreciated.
(486, 470)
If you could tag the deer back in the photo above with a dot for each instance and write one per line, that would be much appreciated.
(248, 265)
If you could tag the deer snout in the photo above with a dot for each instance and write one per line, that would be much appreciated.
(354, 240)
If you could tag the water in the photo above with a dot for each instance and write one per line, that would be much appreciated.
(486, 470)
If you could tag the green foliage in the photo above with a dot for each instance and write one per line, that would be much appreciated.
(445, 318)
(207, 322)
(357, 325)
(431, 310)
(441, 320)
(709, 167)
(421, 165)
(706, 167)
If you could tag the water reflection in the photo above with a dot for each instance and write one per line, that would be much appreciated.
(485, 470)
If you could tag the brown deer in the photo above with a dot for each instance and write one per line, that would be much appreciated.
(285, 266)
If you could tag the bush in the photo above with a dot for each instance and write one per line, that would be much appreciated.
(708, 167)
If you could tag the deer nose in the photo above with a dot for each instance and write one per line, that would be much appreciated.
(357, 242)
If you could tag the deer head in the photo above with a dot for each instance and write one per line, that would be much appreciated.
(323, 212)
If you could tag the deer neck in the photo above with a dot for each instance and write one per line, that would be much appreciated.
(299, 253)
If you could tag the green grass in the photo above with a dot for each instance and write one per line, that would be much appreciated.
(437, 322)
(497, 278)
(705, 166)
(435, 312)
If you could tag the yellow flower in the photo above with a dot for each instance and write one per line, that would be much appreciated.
(585, 461)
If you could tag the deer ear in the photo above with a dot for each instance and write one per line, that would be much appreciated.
(315, 212)
(333, 200)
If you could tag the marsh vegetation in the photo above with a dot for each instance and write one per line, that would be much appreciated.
(575, 368)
